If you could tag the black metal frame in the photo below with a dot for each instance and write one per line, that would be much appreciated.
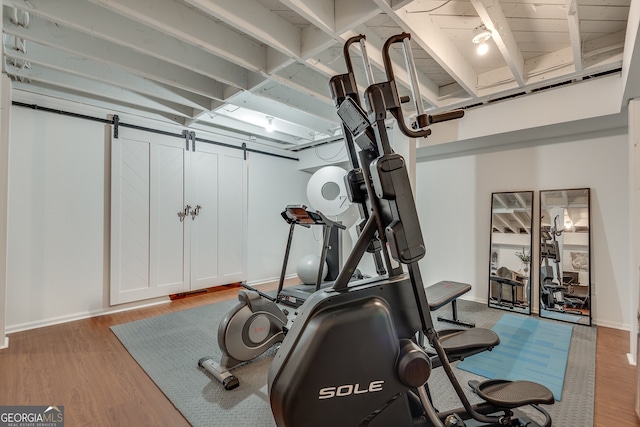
(588, 299)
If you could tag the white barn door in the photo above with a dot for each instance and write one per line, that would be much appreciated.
(204, 234)
(147, 236)
(232, 199)
(218, 184)
(156, 252)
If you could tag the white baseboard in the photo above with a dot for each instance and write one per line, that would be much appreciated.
(5, 344)
(631, 359)
(612, 325)
(11, 329)
(84, 315)
(476, 299)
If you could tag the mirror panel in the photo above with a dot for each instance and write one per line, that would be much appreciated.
(510, 251)
(565, 255)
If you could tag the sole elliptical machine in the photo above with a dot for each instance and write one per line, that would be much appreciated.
(354, 355)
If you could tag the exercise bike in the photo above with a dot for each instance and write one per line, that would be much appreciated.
(257, 323)
(352, 357)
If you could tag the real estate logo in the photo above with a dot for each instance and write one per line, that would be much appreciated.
(31, 416)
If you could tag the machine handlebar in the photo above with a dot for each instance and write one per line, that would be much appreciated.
(443, 117)
(397, 112)
(423, 120)
(345, 51)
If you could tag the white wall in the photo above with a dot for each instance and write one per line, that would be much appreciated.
(58, 216)
(273, 184)
(269, 197)
(449, 208)
(454, 199)
(58, 223)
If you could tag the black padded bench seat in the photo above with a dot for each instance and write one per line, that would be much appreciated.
(445, 292)
(506, 281)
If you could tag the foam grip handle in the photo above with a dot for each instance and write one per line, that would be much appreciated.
(443, 117)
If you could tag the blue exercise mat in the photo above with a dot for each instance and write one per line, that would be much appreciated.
(530, 349)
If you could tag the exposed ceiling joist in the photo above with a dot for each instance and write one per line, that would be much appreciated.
(507, 224)
(90, 87)
(230, 63)
(252, 18)
(573, 21)
(97, 22)
(93, 100)
(89, 68)
(493, 18)
(426, 34)
(47, 33)
(184, 23)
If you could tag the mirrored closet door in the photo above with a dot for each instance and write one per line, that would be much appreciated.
(565, 255)
(511, 245)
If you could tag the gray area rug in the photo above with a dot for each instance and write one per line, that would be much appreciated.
(576, 407)
(168, 348)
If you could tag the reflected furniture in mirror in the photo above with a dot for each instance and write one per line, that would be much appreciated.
(510, 251)
(565, 255)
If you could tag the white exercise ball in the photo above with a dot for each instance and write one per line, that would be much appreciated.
(308, 269)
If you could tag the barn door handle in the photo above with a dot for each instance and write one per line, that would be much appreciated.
(184, 212)
(195, 212)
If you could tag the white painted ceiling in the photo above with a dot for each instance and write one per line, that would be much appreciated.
(232, 63)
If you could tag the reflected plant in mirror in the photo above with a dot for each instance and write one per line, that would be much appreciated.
(510, 249)
(565, 278)
(525, 259)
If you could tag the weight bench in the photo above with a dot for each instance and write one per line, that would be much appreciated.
(506, 281)
(445, 292)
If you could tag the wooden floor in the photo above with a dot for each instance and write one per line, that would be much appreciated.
(82, 366)
(615, 380)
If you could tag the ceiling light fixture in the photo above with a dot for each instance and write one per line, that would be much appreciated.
(480, 37)
(269, 127)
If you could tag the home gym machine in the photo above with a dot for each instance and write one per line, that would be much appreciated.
(257, 323)
(352, 356)
(552, 293)
(457, 343)
(300, 215)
